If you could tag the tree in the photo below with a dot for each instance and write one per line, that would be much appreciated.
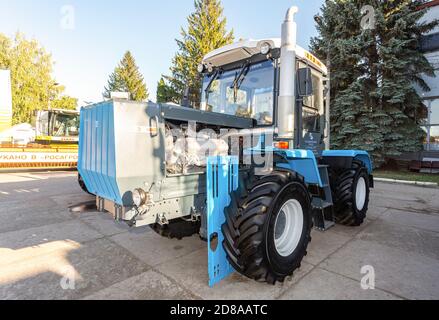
(65, 103)
(373, 71)
(164, 92)
(127, 78)
(206, 31)
(33, 87)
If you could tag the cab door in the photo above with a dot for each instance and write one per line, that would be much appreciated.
(312, 124)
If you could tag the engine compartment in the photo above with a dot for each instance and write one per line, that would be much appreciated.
(188, 146)
(192, 135)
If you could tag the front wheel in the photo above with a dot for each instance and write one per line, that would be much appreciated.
(268, 231)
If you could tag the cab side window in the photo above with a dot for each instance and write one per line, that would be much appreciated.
(313, 107)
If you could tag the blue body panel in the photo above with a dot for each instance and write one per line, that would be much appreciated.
(304, 163)
(354, 154)
(222, 180)
(97, 154)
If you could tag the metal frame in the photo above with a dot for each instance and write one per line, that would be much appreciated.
(222, 181)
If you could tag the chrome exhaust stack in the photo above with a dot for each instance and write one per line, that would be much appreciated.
(287, 91)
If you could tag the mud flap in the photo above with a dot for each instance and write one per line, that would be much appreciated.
(222, 180)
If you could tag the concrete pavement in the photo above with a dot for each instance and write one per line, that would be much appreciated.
(43, 246)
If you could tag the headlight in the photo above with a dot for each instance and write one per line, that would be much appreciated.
(201, 68)
(139, 197)
(265, 48)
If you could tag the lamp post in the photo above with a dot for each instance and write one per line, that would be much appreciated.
(51, 86)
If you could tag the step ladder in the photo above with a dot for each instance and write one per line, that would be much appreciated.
(323, 204)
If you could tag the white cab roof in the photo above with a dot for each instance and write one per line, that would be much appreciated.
(247, 48)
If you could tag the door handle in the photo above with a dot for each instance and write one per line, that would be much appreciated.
(155, 130)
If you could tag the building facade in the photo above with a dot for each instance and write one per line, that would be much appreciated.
(430, 46)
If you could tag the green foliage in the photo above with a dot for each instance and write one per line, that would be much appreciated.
(206, 31)
(33, 87)
(374, 104)
(65, 103)
(407, 176)
(127, 78)
(165, 93)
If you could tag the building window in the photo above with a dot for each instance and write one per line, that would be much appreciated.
(434, 112)
(430, 43)
(432, 125)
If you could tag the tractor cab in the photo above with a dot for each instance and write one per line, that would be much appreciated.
(57, 127)
(243, 79)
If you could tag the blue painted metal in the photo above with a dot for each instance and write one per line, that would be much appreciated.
(222, 180)
(303, 162)
(97, 155)
(355, 154)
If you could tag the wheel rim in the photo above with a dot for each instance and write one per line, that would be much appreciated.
(361, 193)
(288, 228)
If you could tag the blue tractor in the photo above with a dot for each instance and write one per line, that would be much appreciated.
(175, 168)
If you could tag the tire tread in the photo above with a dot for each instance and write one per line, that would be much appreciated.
(244, 244)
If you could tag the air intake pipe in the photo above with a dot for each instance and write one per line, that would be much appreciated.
(287, 90)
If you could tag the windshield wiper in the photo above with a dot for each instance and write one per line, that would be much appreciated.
(207, 91)
(239, 80)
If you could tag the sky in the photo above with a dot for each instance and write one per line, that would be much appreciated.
(87, 38)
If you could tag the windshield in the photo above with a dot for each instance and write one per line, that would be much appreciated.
(65, 125)
(245, 92)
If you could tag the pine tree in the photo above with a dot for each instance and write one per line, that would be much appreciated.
(165, 93)
(127, 78)
(374, 104)
(402, 66)
(206, 31)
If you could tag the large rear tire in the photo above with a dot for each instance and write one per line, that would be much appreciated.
(177, 229)
(268, 228)
(351, 195)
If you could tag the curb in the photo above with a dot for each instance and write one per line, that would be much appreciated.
(411, 183)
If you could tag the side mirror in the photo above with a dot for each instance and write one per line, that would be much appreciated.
(326, 88)
(185, 100)
(304, 82)
(326, 134)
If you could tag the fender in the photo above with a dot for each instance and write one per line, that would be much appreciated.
(344, 158)
(303, 162)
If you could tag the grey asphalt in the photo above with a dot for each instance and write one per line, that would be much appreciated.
(47, 252)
